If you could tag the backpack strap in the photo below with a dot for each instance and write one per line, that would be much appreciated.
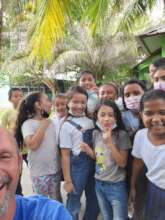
(75, 125)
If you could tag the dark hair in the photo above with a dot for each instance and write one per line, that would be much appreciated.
(61, 95)
(129, 82)
(160, 68)
(71, 92)
(75, 89)
(159, 62)
(86, 72)
(117, 113)
(13, 90)
(151, 95)
(112, 85)
(26, 110)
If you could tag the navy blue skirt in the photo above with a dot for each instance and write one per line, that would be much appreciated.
(155, 206)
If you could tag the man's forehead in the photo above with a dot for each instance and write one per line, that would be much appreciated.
(7, 140)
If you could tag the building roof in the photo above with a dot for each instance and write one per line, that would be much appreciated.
(152, 39)
(157, 30)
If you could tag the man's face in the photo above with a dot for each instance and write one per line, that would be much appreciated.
(10, 169)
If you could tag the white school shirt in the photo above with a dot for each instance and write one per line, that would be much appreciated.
(70, 136)
(153, 157)
(57, 121)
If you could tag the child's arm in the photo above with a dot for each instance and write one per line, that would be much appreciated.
(34, 141)
(137, 166)
(66, 170)
(85, 148)
(120, 156)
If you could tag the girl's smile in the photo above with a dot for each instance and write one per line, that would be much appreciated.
(87, 81)
(153, 117)
(77, 104)
(106, 117)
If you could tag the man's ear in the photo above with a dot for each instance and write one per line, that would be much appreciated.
(20, 161)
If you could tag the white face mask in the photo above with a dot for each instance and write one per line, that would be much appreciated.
(159, 85)
(76, 115)
(133, 102)
(101, 128)
(92, 102)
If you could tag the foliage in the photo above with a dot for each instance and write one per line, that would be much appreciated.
(101, 54)
(96, 14)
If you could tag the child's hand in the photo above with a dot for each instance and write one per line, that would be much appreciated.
(95, 89)
(107, 136)
(45, 123)
(132, 195)
(68, 186)
(84, 147)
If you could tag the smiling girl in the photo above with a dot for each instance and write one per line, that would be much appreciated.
(111, 144)
(78, 167)
(149, 149)
(38, 133)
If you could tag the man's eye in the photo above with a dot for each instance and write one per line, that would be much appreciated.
(4, 156)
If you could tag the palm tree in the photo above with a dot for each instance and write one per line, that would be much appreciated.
(102, 54)
(53, 16)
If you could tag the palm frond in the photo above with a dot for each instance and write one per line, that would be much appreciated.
(96, 13)
(135, 11)
(49, 28)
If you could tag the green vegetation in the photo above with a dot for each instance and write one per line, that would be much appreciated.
(62, 35)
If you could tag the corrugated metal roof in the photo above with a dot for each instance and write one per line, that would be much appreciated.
(159, 29)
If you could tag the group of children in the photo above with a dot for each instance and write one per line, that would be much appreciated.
(88, 145)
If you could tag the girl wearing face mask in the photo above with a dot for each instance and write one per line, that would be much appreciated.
(132, 93)
(78, 167)
(37, 132)
(159, 78)
(88, 82)
(111, 143)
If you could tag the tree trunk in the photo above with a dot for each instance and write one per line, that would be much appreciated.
(51, 85)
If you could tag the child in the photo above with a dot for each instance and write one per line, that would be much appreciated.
(9, 116)
(78, 168)
(132, 93)
(88, 82)
(60, 105)
(37, 132)
(108, 91)
(159, 78)
(149, 149)
(111, 145)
